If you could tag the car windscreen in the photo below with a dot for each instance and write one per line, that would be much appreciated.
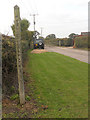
(38, 41)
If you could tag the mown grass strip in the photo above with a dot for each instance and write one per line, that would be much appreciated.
(61, 84)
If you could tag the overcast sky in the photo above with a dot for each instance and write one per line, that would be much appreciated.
(59, 17)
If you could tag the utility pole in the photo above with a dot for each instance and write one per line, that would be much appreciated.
(34, 26)
(41, 31)
(19, 54)
(34, 20)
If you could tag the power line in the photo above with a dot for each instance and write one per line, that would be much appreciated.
(28, 10)
(31, 6)
(24, 4)
(35, 5)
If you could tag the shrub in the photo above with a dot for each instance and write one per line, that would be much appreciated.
(81, 42)
(14, 97)
(9, 63)
(66, 42)
(27, 98)
(9, 67)
(53, 42)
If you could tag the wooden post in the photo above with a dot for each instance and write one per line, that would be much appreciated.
(19, 54)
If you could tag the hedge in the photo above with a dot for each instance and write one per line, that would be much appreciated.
(9, 63)
(81, 42)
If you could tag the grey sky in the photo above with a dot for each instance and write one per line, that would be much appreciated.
(60, 17)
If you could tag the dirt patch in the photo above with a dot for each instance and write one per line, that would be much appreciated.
(37, 51)
(12, 108)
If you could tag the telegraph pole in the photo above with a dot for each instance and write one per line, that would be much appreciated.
(19, 54)
(41, 31)
(34, 15)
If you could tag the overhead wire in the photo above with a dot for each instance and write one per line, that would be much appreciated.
(35, 6)
(31, 6)
(34, 9)
(25, 6)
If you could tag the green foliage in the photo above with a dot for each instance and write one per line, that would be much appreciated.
(13, 29)
(81, 42)
(24, 25)
(12, 89)
(41, 37)
(66, 42)
(63, 41)
(72, 35)
(15, 115)
(25, 33)
(8, 55)
(15, 96)
(53, 42)
(9, 63)
(27, 98)
(51, 36)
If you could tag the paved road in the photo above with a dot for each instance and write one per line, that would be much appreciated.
(81, 55)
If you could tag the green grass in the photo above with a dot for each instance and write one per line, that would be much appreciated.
(61, 83)
(87, 49)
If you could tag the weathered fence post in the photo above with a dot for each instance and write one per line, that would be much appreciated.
(19, 54)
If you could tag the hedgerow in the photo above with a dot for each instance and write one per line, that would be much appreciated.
(81, 42)
(9, 63)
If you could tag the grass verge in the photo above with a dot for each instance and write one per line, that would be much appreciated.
(61, 85)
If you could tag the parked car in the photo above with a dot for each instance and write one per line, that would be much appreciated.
(39, 43)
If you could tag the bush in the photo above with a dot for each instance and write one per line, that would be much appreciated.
(9, 63)
(27, 98)
(9, 68)
(66, 42)
(14, 97)
(53, 42)
(81, 42)
(8, 56)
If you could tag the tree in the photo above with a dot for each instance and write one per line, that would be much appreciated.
(29, 37)
(25, 33)
(24, 27)
(72, 35)
(51, 36)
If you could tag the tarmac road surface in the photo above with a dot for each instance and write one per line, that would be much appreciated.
(81, 55)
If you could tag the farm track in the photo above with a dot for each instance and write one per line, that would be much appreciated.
(81, 55)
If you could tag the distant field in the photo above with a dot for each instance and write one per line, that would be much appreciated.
(61, 84)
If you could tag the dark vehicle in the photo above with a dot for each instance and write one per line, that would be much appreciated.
(39, 43)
